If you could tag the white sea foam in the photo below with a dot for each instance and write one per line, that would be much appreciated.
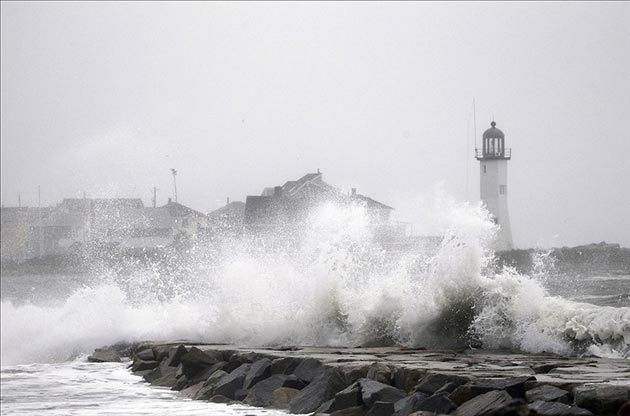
(330, 286)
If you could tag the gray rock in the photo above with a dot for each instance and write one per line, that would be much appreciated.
(438, 403)
(104, 356)
(141, 365)
(447, 388)
(348, 397)
(558, 409)
(206, 373)
(260, 394)
(373, 391)
(601, 399)
(308, 370)
(408, 405)
(167, 380)
(159, 372)
(380, 372)
(195, 361)
(281, 397)
(484, 403)
(514, 386)
(294, 382)
(547, 393)
(240, 395)
(228, 384)
(220, 399)
(381, 409)
(175, 355)
(321, 389)
(285, 365)
(146, 355)
(406, 378)
(207, 391)
(191, 391)
(350, 411)
(259, 370)
(431, 383)
(180, 384)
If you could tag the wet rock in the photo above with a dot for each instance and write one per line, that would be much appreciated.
(141, 365)
(166, 380)
(294, 382)
(281, 397)
(431, 383)
(601, 399)
(447, 388)
(547, 393)
(348, 397)
(350, 411)
(240, 395)
(175, 355)
(260, 394)
(353, 372)
(406, 378)
(438, 403)
(514, 386)
(322, 388)
(191, 391)
(204, 374)
(195, 361)
(146, 355)
(228, 384)
(259, 370)
(207, 391)
(308, 370)
(408, 405)
(104, 355)
(381, 409)
(380, 372)
(180, 384)
(373, 391)
(558, 409)
(285, 365)
(220, 399)
(484, 403)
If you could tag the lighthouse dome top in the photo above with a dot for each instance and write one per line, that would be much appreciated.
(493, 132)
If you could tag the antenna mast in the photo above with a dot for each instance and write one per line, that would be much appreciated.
(174, 172)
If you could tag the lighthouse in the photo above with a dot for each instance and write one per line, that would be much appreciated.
(493, 158)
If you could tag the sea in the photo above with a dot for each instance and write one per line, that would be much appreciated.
(330, 284)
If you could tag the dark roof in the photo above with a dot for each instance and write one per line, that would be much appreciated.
(82, 204)
(178, 210)
(493, 132)
(235, 209)
(371, 203)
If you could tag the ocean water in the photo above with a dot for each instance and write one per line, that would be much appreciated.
(330, 285)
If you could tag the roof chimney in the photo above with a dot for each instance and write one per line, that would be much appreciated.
(354, 191)
(277, 191)
(169, 200)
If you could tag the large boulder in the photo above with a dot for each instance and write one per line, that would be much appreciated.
(438, 403)
(285, 365)
(104, 355)
(381, 409)
(380, 372)
(308, 370)
(141, 365)
(195, 361)
(175, 355)
(322, 388)
(146, 354)
(228, 384)
(294, 382)
(431, 383)
(558, 409)
(601, 399)
(350, 411)
(373, 391)
(484, 403)
(515, 386)
(281, 397)
(409, 404)
(259, 370)
(260, 394)
(406, 378)
(547, 393)
(207, 391)
(348, 397)
(191, 391)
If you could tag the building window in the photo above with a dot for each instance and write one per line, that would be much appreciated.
(503, 189)
(484, 168)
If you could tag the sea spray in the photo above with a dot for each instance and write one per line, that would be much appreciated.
(328, 283)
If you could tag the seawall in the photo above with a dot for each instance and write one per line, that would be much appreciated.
(383, 381)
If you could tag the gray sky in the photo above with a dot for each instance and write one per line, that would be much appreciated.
(106, 97)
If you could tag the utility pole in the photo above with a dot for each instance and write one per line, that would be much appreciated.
(154, 197)
(39, 209)
(174, 172)
(19, 200)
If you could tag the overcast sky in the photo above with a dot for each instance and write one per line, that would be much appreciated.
(105, 98)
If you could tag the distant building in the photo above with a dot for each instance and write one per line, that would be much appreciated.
(291, 203)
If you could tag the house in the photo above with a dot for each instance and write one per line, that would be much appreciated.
(291, 203)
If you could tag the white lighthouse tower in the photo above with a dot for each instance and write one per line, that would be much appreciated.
(493, 158)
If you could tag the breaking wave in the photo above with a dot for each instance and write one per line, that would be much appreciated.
(329, 285)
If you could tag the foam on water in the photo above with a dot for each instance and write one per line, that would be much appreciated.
(330, 285)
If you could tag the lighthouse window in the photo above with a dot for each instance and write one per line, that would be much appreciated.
(503, 189)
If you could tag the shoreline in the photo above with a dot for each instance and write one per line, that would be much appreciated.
(383, 380)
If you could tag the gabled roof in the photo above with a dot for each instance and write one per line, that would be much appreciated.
(234, 209)
(371, 203)
(178, 210)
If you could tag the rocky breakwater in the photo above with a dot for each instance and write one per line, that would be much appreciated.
(384, 381)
